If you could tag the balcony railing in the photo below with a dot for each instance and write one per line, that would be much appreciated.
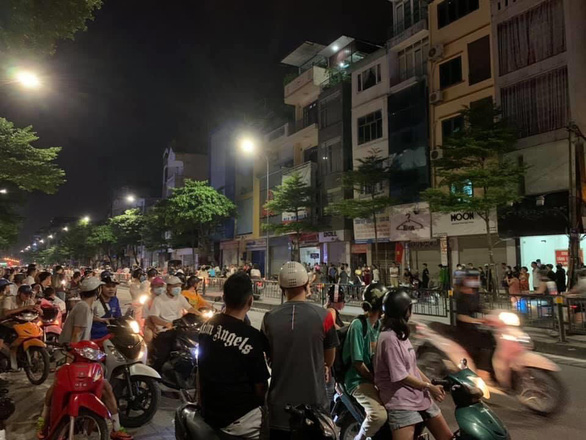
(315, 75)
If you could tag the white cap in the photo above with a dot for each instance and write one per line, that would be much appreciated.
(293, 274)
(172, 279)
(91, 283)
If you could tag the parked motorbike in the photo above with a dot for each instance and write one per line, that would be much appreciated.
(135, 384)
(516, 370)
(50, 321)
(27, 349)
(76, 407)
(476, 421)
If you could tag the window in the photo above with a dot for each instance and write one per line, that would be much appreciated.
(450, 73)
(449, 11)
(310, 114)
(532, 36)
(331, 158)
(539, 104)
(413, 60)
(369, 78)
(370, 127)
(451, 126)
(479, 60)
(466, 189)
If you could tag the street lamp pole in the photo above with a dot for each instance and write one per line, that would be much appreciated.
(267, 272)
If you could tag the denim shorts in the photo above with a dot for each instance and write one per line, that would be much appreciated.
(398, 418)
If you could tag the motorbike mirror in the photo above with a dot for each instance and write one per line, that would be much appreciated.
(463, 364)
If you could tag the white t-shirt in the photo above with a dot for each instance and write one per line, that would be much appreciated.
(168, 309)
(29, 280)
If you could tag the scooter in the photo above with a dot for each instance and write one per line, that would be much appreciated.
(76, 406)
(135, 384)
(50, 320)
(27, 349)
(476, 421)
(531, 378)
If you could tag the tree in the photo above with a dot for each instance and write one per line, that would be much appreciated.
(34, 26)
(27, 167)
(368, 181)
(76, 242)
(102, 239)
(474, 174)
(127, 228)
(10, 224)
(196, 210)
(296, 198)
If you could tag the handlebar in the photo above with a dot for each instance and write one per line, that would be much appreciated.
(444, 383)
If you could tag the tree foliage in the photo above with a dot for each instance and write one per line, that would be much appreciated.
(368, 181)
(76, 243)
(127, 228)
(102, 239)
(475, 174)
(35, 26)
(154, 231)
(295, 197)
(196, 210)
(27, 167)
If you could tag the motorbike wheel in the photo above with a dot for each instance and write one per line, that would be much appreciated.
(87, 426)
(142, 409)
(349, 427)
(51, 339)
(540, 390)
(431, 362)
(38, 368)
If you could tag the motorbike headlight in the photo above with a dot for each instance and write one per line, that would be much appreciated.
(208, 314)
(90, 354)
(134, 326)
(194, 352)
(509, 318)
(481, 384)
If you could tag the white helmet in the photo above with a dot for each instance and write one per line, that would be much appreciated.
(293, 274)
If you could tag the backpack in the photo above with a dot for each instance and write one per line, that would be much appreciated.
(340, 366)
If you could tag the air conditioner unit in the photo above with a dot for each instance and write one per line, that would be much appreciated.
(436, 154)
(436, 52)
(436, 97)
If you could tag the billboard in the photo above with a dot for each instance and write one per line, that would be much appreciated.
(364, 228)
(457, 224)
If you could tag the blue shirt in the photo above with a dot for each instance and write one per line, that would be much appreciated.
(112, 310)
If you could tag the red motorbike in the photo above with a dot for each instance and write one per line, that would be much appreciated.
(76, 409)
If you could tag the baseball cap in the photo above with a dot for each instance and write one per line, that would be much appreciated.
(157, 281)
(4, 282)
(90, 284)
(108, 278)
(25, 288)
(172, 279)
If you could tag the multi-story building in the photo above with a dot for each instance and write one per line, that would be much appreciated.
(539, 68)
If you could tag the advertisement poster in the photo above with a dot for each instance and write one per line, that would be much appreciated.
(364, 228)
(457, 224)
(562, 256)
(411, 222)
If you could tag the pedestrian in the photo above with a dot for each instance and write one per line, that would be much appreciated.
(550, 272)
(425, 277)
(394, 275)
(560, 278)
(535, 277)
(524, 279)
(375, 274)
(233, 372)
(302, 345)
(407, 394)
(513, 284)
(332, 273)
(443, 278)
(367, 275)
(343, 279)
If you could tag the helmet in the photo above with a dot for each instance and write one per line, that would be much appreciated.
(293, 274)
(396, 302)
(373, 295)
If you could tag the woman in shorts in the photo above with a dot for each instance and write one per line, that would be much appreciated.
(405, 391)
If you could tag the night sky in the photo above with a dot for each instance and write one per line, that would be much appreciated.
(147, 72)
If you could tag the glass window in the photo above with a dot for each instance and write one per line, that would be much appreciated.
(450, 72)
(465, 189)
(369, 78)
(450, 11)
(370, 127)
(451, 126)
(310, 114)
(479, 60)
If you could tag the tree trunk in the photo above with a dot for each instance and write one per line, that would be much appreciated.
(193, 252)
(375, 259)
(491, 278)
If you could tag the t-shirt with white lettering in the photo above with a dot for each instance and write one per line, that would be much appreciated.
(231, 361)
(168, 309)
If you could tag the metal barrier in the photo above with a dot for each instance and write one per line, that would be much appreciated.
(576, 315)
(213, 283)
(534, 310)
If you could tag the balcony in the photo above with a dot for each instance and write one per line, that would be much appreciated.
(404, 33)
(306, 87)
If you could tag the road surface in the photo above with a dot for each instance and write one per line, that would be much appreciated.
(569, 424)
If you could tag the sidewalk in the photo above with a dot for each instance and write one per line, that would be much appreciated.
(543, 340)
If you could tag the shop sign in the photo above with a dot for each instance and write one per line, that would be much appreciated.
(457, 224)
(562, 256)
(261, 243)
(364, 228)
(314, 256)
(229, 244)
(359, 249)
(410, 222)
(311, 238)
(328, 236)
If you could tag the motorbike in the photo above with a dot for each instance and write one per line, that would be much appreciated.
(50, 320)
(475, 419)
(516, 369)
(257, 288)
(76, 407)
(135, 384)
(26, 348)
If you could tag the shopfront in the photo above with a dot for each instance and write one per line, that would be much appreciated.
(334, 248)
(229, 252)
(310, 249)
(255, 253)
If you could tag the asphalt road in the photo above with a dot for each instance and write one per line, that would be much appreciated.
(570, 423)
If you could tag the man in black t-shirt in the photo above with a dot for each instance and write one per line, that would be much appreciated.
(232, 376)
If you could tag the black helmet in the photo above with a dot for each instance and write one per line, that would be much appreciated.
(396, 303)
(374, 294)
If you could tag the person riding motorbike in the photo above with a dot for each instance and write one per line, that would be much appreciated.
(192, 295)
(404, 390)
(166, 308)
(358, 352)
(77, 327)
(477, 342)
(106, 307)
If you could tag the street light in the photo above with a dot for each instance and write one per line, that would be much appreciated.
(130, 198)
(65, 228)
(249, 147)
(86, 219)
(3, 191)
(50, 236)
(28, 79)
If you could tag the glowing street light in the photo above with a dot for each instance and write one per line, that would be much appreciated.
(28, 79)
(41, 241)
(247, 145)
(130, 198)
(65, 228)
(3, 191)
(50, 236)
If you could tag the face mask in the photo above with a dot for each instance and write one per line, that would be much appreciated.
(176, 291)
(158, 290)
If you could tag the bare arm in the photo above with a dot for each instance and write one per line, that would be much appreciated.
(76, 334)
(329, 356)
(469, 319)
(436, 391)
(17, 311)
(363, 371)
